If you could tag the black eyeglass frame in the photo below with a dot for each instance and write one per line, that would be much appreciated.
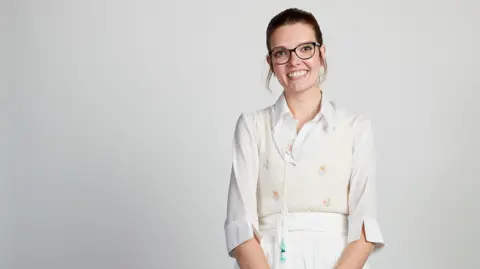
(315, 44)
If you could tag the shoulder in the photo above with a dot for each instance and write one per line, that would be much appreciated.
(360, 124)
(248, 127)
(254, 118)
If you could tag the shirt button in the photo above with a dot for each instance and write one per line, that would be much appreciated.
(266, 164)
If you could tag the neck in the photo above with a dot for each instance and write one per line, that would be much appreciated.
(304, 105)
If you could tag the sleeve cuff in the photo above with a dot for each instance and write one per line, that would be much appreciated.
(373, 233)
(238, 232)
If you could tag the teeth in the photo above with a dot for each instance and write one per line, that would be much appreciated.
(296, 74)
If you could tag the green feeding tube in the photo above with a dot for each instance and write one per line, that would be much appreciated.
(283, 256)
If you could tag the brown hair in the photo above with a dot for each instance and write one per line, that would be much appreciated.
(292, 16)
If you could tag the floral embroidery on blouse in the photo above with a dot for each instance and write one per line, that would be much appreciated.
(326, 202)
(322, 170)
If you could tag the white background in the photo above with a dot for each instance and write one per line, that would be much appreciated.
(117, 119)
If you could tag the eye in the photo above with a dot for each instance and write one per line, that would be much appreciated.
(306, 47)
(279, 53)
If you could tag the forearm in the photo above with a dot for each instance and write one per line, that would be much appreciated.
(250, 255)
(355, 254)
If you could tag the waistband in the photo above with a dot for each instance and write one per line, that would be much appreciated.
(305, 221)
(280, 225)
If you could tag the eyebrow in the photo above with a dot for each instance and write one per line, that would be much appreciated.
(283, 47)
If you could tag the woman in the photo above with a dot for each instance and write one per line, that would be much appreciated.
(302, 186)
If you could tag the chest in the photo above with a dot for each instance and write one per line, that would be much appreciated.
(313, 175)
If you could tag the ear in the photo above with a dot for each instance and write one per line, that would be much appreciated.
(323, 51)
(269, 62)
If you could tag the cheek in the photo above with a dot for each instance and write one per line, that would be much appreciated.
(279, 70)
(314, 65)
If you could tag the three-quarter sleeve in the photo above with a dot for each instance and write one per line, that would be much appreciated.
(241, 223)
(362, 193)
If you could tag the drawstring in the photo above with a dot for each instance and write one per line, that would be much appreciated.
(281, 222)
(283, 254)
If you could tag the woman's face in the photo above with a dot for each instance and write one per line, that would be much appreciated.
(294, 73)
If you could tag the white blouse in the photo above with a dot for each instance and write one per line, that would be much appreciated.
(332, 169)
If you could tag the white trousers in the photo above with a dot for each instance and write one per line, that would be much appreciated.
(312, 240)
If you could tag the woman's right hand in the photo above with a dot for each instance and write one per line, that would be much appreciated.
(250, 255)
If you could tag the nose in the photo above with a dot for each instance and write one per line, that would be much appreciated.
(294, 59)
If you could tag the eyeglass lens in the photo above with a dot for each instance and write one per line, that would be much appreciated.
(304, 51)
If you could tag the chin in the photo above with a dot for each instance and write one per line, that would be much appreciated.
(299, 85)
(300, 88)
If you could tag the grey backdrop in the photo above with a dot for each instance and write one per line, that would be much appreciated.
(117, 120)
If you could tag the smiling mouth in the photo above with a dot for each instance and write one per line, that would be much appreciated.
(297, 74)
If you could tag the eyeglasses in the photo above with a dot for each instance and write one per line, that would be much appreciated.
(303, 51)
